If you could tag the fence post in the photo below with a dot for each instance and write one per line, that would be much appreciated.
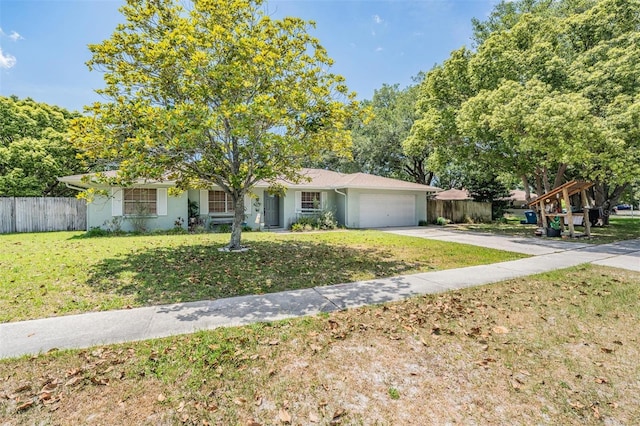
(13, 215)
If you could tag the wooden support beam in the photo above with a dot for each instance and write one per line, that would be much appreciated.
(543, 214)
(567, 204)
(585, 208)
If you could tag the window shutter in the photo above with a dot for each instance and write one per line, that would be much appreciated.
(204, 201)
(161, 201)
(323, 200)
(116, 201)
(298, 200)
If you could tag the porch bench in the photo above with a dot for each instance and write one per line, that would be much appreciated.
(220, 220)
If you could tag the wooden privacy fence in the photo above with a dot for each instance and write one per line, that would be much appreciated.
(458, 211)
(26, 214)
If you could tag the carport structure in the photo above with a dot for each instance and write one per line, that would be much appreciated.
(550, 206)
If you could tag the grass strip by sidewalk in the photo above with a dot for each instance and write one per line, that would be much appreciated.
(619, 228)
(49, 274)
(556, 348)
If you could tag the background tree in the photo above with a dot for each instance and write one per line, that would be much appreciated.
(35, 148)
(548, 95)
(213, 92)
(378, 143)
(378, 138)
(434, 131)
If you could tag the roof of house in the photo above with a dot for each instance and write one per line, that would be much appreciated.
(320, 178)
(86, 180)
(453, 195)
(310, 178)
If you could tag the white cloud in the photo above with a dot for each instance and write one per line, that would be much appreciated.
(377, 19)
(6, 60)
(15, 36)
(379, 49)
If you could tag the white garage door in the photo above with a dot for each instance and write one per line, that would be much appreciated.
(380, 210)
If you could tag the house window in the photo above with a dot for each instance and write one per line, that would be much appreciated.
(310, 201)
(140, 201)
(220, 202)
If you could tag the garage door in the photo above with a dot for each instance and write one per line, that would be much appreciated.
(381, 210)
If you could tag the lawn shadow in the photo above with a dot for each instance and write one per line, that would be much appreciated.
(186, 273)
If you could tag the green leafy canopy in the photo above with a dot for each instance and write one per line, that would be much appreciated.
(34, 148)
(549, 94)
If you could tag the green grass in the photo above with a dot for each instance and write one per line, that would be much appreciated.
(617, 230)
(48, 274)
(393, 393)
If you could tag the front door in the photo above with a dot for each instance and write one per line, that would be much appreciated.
(271, 210)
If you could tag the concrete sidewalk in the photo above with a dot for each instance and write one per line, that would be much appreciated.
(80, 331)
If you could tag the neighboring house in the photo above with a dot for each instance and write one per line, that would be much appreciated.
(517, 199)
(453, 195)
(358, 200)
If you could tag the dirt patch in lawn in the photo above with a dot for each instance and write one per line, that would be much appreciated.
(558, 348)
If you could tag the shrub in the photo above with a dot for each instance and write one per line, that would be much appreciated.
(442, 221)
(423, 223)
(322, 220)
(173, 231)
(114, 225)
(96, 231)
(178, 223)
(327, 220)
(498, 209)
(223, 228)
(198, 229)
(297, 227)
(139, 218)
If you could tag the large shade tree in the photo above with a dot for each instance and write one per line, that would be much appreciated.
(377, 142)
(378, 138)
(35, 148)
(550, 93)
(213, 92)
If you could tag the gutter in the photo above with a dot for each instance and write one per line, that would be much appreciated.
(77, 188)
(346, 206)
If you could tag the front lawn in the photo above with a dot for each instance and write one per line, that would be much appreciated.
(619, 228)
(559, 348)
(50, 274)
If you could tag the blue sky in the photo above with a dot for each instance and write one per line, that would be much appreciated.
(43, 43)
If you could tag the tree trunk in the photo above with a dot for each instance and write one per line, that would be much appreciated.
(559, 180)
(416, 171)
(238, 219)
(607, 199)
(539, 188)
(545, 179)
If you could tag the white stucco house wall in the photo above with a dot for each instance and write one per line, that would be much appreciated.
(359, 200)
